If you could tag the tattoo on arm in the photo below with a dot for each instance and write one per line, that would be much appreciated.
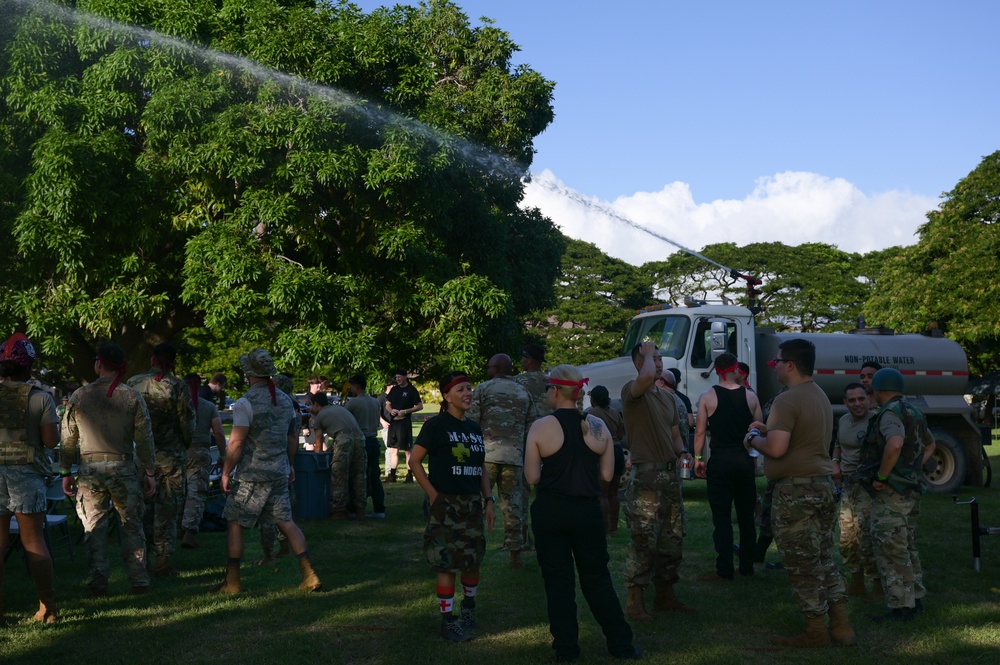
(596, 426)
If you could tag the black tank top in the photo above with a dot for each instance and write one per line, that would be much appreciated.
(573, 469)
(731, 419)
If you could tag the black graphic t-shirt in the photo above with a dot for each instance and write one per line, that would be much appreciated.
(455, 454)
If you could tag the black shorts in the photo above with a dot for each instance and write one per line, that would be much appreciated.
(400, 434)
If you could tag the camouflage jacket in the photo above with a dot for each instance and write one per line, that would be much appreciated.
(534, 383)
(907, 474)
(265, 449)
(504, 410)
(96, 423)
(170, 410)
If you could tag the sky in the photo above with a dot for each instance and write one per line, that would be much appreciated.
(732, 121)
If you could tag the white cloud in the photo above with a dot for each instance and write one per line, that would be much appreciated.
(790, 207)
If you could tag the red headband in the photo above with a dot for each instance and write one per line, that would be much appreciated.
(454, 382)
(574, 384)
(726, 370)
(164, 366)
(271, 388)
(121, 369)
(193, 386)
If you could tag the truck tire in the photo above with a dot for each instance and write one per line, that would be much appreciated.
(952, 466)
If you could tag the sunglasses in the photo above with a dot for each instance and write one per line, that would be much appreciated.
(774, 362)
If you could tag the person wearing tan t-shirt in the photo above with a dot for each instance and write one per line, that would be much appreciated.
(654, 496)
(804, 513)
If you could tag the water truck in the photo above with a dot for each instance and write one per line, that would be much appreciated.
(936, 371)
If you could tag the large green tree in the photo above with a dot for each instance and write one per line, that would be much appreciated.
(949, 277)
(152, 188)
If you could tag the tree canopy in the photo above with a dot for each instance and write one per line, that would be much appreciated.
(949, 277)
(156, 186)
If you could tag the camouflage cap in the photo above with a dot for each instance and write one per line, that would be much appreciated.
(258, 363)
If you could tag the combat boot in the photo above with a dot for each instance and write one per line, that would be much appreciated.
(515, 560)
(232, 582)
(635, 606)
(666, 601)
(390, 476)
(162, 567)
(409, 477)
(857, 586)
(310, 580)
(840, 627)
(814, 636)
(878, 592)
(283, 548)
(188, 541)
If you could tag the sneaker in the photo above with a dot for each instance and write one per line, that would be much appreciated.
(453, 632)
(378, 516)
(468, 618)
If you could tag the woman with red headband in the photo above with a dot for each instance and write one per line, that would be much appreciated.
(566, 516)
(458, 493)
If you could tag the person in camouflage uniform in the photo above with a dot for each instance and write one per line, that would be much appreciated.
(259, 467)
(855, 501)
(365, 410)
(503, 410)
(795, 444)
(655, 504)
(106, 427)
(897, 445)
(172, 416)
(28, 425)
(348, 480)
(269, 534)
(198, 463)
(534, 380)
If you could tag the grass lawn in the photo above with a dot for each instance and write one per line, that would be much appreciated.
(380, 605)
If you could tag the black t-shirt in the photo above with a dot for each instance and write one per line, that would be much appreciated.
(403, 398)
(455, 454)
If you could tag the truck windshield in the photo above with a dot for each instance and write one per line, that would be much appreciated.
(669, 333)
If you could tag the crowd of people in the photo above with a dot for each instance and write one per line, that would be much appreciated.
(140, 447)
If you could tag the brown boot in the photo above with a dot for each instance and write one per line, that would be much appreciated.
(283, 548)
(310, 580)
(857, 586)
(188, 542)
(41, 572)
(814, 636)
(515, 560)
(635, 607)
(232, 582)
(840, 627)
(162, 567)
(878, 592)
(666, 601)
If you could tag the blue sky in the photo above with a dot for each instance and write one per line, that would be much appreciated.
(836, 121)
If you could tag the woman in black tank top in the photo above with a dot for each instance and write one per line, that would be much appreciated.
(566, 454)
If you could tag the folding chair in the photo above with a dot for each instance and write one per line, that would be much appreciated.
(57, 519)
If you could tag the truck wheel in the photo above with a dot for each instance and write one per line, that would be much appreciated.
(952, 467)
(987, 469)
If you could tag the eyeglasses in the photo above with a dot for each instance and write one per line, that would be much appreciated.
(549, 385)
(774, 362)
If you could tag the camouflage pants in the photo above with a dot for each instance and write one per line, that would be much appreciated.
(349, 477)
(454, 539)
(855, 529)
(512, 496)
(656, 525)
(164, 509)
(197, 470)
(894, 543)
(103, 487)
(804, 516)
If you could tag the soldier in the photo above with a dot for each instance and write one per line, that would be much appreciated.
(102, 421)
(795, 444)
(654, 497)
(349, 463)
(898, 443)
(207, 427)
(365, 410)
(865, 376)
(262, 446)
(172, 416)
(28, 421)
(503, 410)
(668, 383)
(269, 534)
(534, 381)
(600, 406)
(855, 501)
(402, 401)
(728, 409)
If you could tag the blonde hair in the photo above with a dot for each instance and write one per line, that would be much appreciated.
(569, 373)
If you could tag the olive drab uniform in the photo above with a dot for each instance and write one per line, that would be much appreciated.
(98, 433)
(503, 408)
(172, 417)
(895, 508)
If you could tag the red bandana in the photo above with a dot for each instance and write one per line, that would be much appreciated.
(575, 384)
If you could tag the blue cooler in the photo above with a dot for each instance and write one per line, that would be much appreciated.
(312, 485)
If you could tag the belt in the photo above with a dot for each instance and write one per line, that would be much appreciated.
(655, 466)
(105, 457)
(807, 480)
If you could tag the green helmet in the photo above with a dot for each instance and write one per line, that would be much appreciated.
(888, 379)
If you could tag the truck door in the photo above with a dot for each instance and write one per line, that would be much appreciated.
(712, 337)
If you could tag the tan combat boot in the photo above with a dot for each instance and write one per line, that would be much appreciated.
(162, 567)
(310, 580)
(515, 560)
(666, 601)
(635, 607)
(840, 627)
(814, 636)
(188, 541)
(232, 582)
(857, 586)
(878, 592)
